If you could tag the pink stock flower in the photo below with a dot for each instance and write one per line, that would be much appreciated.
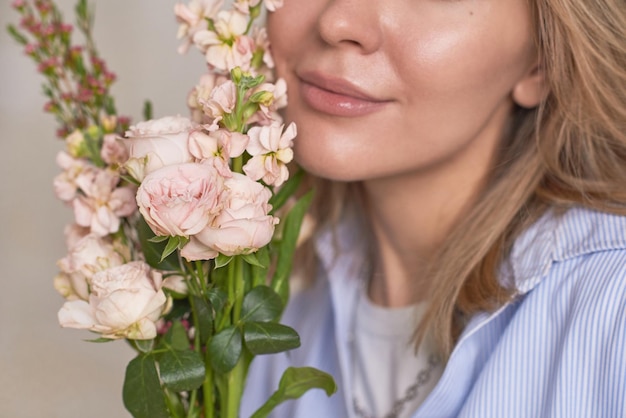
(222, 100)
(125, 302)
(273, 5)
(268, 111)
(157, 143)
(65, 186)
(201, 94)
(113, 150)
(87, 256)
(180, 200)
(192, 18)
(227, 47)
(102, 203)
(218, 147)
(270, 148)
(242, 227)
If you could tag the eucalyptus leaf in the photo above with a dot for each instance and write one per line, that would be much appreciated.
(291, 230)
(142, 393)
(204, 313)
(295, 382)
(225, 349)
(261, 304)
(182, 370)
(269, 337)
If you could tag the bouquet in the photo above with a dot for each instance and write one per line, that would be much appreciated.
(182, 243)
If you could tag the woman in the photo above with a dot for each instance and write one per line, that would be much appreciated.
(470, 159)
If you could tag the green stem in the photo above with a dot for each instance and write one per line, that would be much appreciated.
(208, 389)
(235, 389)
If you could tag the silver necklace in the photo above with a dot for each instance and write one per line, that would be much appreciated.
(411, 392)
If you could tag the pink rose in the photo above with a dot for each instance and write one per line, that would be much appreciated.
(242, 227)
(125, 302)
(180, 200)
(157, 143)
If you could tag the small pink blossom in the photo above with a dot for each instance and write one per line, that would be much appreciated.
(87, 256)
(157, 143)
(192, 18)
(270, 149)
(227, 47)
(221, 101)
(102, 203)
(125, 302)
(218, 147)
(201, 93)
(243, 226)
(113, 150)
(181, 199)
(65, 184)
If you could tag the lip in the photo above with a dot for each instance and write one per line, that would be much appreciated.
(336, 96)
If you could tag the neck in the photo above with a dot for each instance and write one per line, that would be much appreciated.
(411, 215)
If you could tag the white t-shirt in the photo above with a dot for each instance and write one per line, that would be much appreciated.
(386, 368)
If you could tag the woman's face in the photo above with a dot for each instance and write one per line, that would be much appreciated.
(386, 87)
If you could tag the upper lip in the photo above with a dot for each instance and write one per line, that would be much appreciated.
(336, 85)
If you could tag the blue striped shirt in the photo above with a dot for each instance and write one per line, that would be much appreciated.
(557, 350)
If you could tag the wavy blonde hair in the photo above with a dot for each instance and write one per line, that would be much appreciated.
(569, 151)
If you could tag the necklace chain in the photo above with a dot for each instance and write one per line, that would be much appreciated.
(411, 392)
(423, 376)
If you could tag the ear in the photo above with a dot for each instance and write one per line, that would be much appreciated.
(531, 89)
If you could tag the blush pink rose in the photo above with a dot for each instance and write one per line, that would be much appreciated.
(181, 199)
(242, 227)
(125, 302)
(157, 143)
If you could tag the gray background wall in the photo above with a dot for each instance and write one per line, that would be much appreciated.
(46, 371)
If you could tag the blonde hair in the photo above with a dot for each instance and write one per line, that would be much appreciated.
(570, 151)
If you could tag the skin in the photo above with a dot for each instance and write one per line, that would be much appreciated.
(444, 76)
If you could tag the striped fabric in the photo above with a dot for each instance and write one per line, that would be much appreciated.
(558, 350)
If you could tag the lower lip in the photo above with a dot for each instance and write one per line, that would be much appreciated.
(336, 104)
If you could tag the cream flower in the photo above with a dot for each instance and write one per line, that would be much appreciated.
(221, 101)
(192, 18)
(102, 203)
(125, 302)
(227, 47)
(270, 149)
(218, 147)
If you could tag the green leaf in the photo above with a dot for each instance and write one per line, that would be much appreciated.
(182, 370)
(291, 230)
(177, 337)
(253, 260)
(142, 393)
(295, 382)
(222, 260)
(159, 238)
(269, 337)
(16, 35)
(152, 251)
(173, 243)
(147, 110)
(286, 191)
(261, 304)
(204, 314)
(225, 349)
(217, 298)
(144, 346)
(101, 340)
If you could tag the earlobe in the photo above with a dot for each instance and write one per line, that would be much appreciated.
(531, 89)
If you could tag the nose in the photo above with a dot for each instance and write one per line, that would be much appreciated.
(351, 24)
